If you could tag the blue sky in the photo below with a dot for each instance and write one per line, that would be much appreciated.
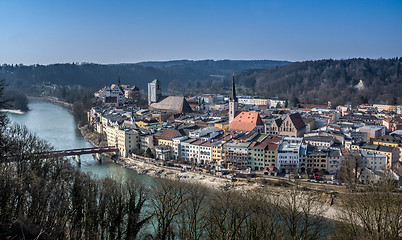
(113, 31)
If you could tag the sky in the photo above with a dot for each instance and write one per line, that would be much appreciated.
(114, 31)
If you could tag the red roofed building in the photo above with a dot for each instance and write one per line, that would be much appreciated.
(247, 122)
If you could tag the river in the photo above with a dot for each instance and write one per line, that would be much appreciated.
(56, 125)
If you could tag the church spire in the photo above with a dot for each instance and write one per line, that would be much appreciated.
(232, 102)
(233, 94)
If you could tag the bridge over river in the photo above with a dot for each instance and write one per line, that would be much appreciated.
(81, 151)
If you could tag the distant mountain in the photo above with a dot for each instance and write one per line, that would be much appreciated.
(353, 80)
(170, 73)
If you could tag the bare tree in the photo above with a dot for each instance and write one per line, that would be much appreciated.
(263, 223)
(193, 220)
(373, 213)
(350, 168)
(167, 202)
(138, 197)
(301, 213)
(227, 216)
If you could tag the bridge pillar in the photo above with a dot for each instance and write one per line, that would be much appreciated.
(98, 156)
(78, 159)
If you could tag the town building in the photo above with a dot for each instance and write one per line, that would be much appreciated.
(172, 104)
(374, 161)
(335, 159)
(291, 155)
(317, 159)
(154, 91)
(291, 126)
(112, 95)
(237, 155)
(247, 122)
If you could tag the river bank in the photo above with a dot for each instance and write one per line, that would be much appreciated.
(53, 100)
(12, 111)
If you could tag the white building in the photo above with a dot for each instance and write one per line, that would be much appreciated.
(154, 91)
(114, 91)
(374, 161)
(205, 153)
(185, 148)
(276, 103)
(127, 140)
(177, 146)
(206, 133)
(291, 153)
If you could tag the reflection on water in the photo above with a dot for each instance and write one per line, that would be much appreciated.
(56, 125)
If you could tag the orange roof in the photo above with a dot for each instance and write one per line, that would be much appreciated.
(246, 121)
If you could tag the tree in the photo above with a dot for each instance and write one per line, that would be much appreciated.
(192, 221)
(301, 212)
(167, 202)
(227, 216)
(372, 213)
(148, 153)
(349, 171)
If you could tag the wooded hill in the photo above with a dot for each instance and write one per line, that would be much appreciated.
(90, 75)
(340, 81)
(353, 81)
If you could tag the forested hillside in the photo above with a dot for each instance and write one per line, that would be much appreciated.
(340, 81)
(90, 75)
(354, 80)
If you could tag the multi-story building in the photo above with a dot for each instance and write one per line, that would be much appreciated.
(154, 91)
(128, 141)
(205, 153)
(373, 131)
(177, 146)
(392, 153)
(260, 102)
(194, 153)
(389, 140)
(256, 155)
(289, 154)
(185, 149)
(335, 159)
(317, 159)
(320, 141)
(276, 103)
(374, 161)
(237, 155)
(218, 154)
(146, 141)
(262, 155)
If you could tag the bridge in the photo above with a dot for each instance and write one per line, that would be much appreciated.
(82, 151)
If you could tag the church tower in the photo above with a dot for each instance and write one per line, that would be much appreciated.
(232, 102)
(154, 91)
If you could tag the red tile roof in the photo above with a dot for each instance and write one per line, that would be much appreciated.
(246, 121)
